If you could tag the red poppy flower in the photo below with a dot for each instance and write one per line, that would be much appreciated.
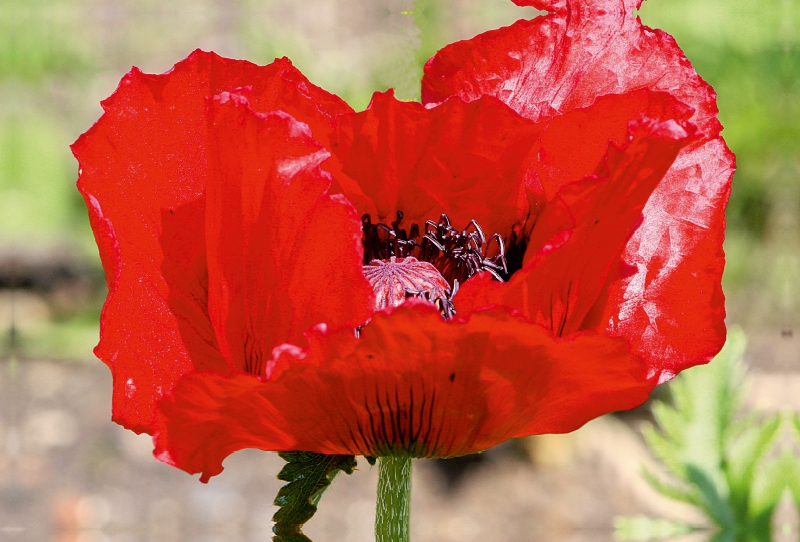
(538, 244)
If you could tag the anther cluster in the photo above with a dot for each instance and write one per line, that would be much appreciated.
(400, 263)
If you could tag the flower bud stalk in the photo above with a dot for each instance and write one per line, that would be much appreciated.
(392, 514)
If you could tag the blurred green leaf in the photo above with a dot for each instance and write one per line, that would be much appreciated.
(719, 458)
(768, 487)
(644, 528)
(793, 473)
(684, 493)
(744, 456)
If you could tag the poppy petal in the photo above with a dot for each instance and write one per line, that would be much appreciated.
(143, 169)
(572, 145)
(463, 160)
(558, 286)
(283, 255)
(412, 384)
(665, 294)
(564, 60)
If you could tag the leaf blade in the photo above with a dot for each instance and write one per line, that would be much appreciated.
(308, 476)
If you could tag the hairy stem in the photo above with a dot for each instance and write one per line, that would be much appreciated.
(394, 499)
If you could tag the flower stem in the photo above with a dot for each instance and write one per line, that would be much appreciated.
(394, 499)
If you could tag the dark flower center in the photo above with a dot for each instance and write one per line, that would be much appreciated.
(430, 265)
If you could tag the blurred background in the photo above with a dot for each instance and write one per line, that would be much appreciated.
(68, 474)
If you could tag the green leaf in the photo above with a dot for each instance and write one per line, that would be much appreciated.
(309, 475)
(715, 504)
(686, 494)
(793, 476)
(734, 467)
(716, 458)
(643, 528)
(693, 431)
(743, 457)
(665, 445)
(769, 485)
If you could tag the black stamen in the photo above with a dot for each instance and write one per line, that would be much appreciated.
(456, 254)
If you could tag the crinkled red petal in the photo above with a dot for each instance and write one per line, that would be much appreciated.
(564, 60)
(465, 160)
(412, 384)
(283, 255)
(665, 294)
(572, 145)
(143, 169)
(559, 285)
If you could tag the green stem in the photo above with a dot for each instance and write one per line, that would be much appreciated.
(394, 499)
